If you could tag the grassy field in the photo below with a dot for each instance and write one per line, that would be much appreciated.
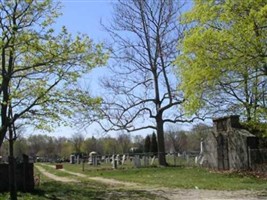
(85, 190)
(153, 177)
(176, 177)
(80, 191)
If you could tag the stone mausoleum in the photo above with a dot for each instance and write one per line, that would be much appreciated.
(227, 146)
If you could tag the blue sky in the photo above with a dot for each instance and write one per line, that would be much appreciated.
(84, 16)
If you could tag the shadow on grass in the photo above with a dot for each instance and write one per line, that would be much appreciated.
(58, 191)
(83, 191)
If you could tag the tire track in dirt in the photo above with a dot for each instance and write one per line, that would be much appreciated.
(54, 177)
(110, 182)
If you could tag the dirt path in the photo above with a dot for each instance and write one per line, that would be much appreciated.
(110, 182)
(54, 177)
(165, 193)
(116, 183)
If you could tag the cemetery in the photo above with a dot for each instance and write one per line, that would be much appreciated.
(133, 99)
(227, 148)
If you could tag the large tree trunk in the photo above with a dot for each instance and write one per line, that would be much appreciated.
(12, 177)
(161, 144)
(12, 168)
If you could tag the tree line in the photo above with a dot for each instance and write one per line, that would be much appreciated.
(60, 148)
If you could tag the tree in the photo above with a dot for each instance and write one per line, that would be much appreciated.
(50, 148)
(147, 144)
(66, 150)
(154, 145)
(138, 144)
(59, 147)
(40, 68)
(196, 134)
(36, 143)
(77, 140)
(44, 146)
(142, 92)
(110, 145)
(223, 61)
(124, 142)
(20, 147)
(177, 139)
(92, 144)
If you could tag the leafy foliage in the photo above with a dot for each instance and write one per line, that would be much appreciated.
(223, 60)
(40, 68)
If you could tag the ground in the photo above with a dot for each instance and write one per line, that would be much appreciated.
(163, 193)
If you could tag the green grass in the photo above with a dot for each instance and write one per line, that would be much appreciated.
(172, 177)
(80, 191)
(85, 190)
(177, 177)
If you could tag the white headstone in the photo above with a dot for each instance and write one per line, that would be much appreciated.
(123, 159)
(153, 160)
(107, 160)
(146, 161)
(118, 159)
(137, 161)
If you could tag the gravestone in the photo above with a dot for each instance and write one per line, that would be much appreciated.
(146, 161)
(72, 159)
(114, 162)
(153, 160)
(107, 159)
(78, 159)
(187, 159)
(118, 159)
(93, 160)
(123, 159)
(137, 161)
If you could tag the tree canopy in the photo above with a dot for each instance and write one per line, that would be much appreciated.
(223, 61)
(40, 67)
